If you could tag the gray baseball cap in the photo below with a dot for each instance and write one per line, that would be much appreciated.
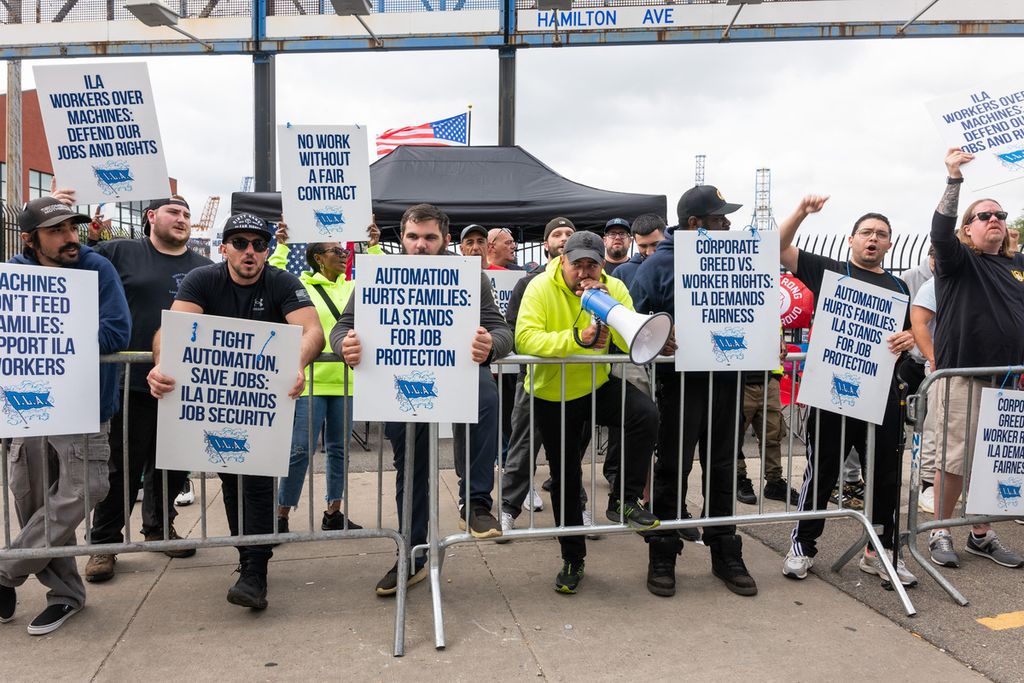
(584, 244)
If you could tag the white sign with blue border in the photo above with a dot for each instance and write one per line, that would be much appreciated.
(416, 317)
(849, 366)
(727, 299)
(230, 410)
(49, 351)
(102, 131)
(325, 182)
(998, 469)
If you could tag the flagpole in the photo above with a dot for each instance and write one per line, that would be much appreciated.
(469, 124)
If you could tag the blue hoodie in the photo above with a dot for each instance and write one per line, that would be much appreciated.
(627, 271)
(653, 287)
(115, 322)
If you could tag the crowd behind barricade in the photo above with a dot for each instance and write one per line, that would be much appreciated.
(970, 288)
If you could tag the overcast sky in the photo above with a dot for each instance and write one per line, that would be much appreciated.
(844, 118)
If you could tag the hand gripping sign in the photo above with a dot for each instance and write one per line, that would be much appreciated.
(230, 410)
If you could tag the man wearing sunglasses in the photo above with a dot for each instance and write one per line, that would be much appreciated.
(501, 249)
(979, 286)
(242, 286)
(151, 268)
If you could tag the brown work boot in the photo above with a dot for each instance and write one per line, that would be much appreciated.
(172, 536)
(100, 568)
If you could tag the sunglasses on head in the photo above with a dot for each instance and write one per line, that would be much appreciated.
(259, 245)
(986, 215)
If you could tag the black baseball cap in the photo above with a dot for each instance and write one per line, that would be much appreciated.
(245, 222)
(46, 212)
(556, 223)
(470, 229)
(156, 204)
(703, 200)
(617, 223)
(584, 244)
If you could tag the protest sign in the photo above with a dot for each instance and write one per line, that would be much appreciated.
(849, 366)
(998, 469)
(987, 121)
(416, 317)
(102, 131)
(325, 182)
(229, 410)
(727, 300)
(49, 351)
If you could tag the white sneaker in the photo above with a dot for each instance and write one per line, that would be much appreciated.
(926, 500)
(588, 520)
(796, 566)
(187, 496)
(871, 563)
(508, 523)
(1019, 521)
(536, 502)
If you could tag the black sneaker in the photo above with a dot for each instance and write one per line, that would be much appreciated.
(547, 484)
(250, 590)
(661, 565)
(171, 536)
(691, 534)
(776, 490)
(568, 580)
(727, 564)
(745, 491)
(632, 514)
(482, 523)
(51, 619)
(8, 601)
(335, 521)
(282, 524)
(388, 585)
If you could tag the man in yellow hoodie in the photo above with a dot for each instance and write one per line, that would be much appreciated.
(552, 324)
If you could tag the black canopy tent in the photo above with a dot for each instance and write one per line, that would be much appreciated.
(493, 186)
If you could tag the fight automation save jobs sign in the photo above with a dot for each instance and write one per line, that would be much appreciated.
(416, 317)
(849, 364)
(229, 410)
(49, 351)
(727, 300)
(102, 131)
(325, 182)
(998, 468)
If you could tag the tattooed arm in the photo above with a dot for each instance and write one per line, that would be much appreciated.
(949, 252)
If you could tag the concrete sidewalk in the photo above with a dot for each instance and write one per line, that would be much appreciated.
(168, 619)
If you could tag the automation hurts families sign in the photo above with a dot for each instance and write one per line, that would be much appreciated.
(416, 317)
(102, 131)
(229, 410)
(49, 351)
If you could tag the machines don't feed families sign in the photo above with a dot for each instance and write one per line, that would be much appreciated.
(229, 410)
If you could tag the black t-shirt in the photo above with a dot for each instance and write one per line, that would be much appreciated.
(276, 294)
(980, 316)
(811, 268)
(151, 280)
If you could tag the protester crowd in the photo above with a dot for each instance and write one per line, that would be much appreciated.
(970, 288)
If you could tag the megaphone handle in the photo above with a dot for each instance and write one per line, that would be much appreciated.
(592, 344)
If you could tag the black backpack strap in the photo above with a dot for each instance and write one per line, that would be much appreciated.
(327, 300)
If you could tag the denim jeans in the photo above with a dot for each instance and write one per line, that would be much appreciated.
(330, 414)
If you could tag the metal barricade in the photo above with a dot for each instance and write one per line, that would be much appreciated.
(437, 543)
(918, 412)
(204, 540)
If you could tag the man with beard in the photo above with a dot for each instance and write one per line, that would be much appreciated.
(49, 511)
(243, 286)
(424, 232)
(869, 242)
(617, 240)
(648, 231)
(151, 270)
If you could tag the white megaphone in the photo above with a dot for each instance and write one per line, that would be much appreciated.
(645, 335)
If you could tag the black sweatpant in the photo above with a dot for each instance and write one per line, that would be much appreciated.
(258, 510)
(641, 420)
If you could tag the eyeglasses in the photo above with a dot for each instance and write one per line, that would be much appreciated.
(617, 235)
(259, 245)
(337, 251)
(986, 215)
(867, 234)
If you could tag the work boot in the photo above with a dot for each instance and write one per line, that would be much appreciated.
(661, 567)
(100, 568)
(251, 588)
(727, 564)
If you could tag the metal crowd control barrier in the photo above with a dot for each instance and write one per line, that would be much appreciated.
(204, 540)
(918, 412)
(437, 544)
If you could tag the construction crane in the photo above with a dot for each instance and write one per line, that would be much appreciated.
(209, 215)
(698, 176)
(763, 219)
(247, 183)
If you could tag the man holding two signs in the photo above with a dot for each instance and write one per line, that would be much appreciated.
(243, 287)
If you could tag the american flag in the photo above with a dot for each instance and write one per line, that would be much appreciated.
(443, 133)
(296, 258)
